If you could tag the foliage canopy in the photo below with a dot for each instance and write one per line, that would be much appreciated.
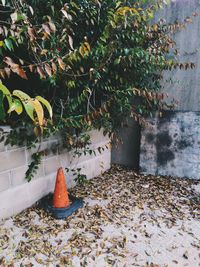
(96, 62)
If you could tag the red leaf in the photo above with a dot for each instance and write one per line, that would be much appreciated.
(22, 73)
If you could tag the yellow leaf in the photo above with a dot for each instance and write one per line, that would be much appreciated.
(46, 104)
(87, 46)
(82, 51)
(38, 109)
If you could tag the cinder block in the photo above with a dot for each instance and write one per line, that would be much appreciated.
(12, 159)
(51, 182)
(102, 163)
(96, 165)
(69, 158)
(14, 199)
(51, 165)
(70, 179)
(98, 137)
(40, 171)
(31, 151)
(18, 176)
(49, 146)
(65, 159)
(52, 148)
(41, 187)
(78, 159)
(4, 180)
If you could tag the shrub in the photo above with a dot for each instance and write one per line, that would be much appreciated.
(96, 62)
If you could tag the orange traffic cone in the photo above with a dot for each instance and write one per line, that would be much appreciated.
(60, 196)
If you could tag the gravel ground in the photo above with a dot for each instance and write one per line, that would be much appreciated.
(127, 220)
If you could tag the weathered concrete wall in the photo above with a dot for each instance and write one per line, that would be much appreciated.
(127, 152)
(17, 194)
(184, 85)
(172, 146)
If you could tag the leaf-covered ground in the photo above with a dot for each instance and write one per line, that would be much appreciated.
(127, 220)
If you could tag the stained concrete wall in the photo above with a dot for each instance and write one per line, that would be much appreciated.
(17, 194)
(172, 146)
(184, 85)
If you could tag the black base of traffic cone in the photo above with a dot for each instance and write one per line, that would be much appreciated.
(60, 213)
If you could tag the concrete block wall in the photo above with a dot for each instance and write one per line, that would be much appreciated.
(172, 146)
(17, 194)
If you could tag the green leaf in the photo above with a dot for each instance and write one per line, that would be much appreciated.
(6, 93)
(9, 44)
(25, 99)
(12, 107)
(20, 17)
(4, 89)
(16, 106)
(46, 104)
(118, 4)
(2, 112)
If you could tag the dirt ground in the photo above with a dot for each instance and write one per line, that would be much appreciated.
(127, 220)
